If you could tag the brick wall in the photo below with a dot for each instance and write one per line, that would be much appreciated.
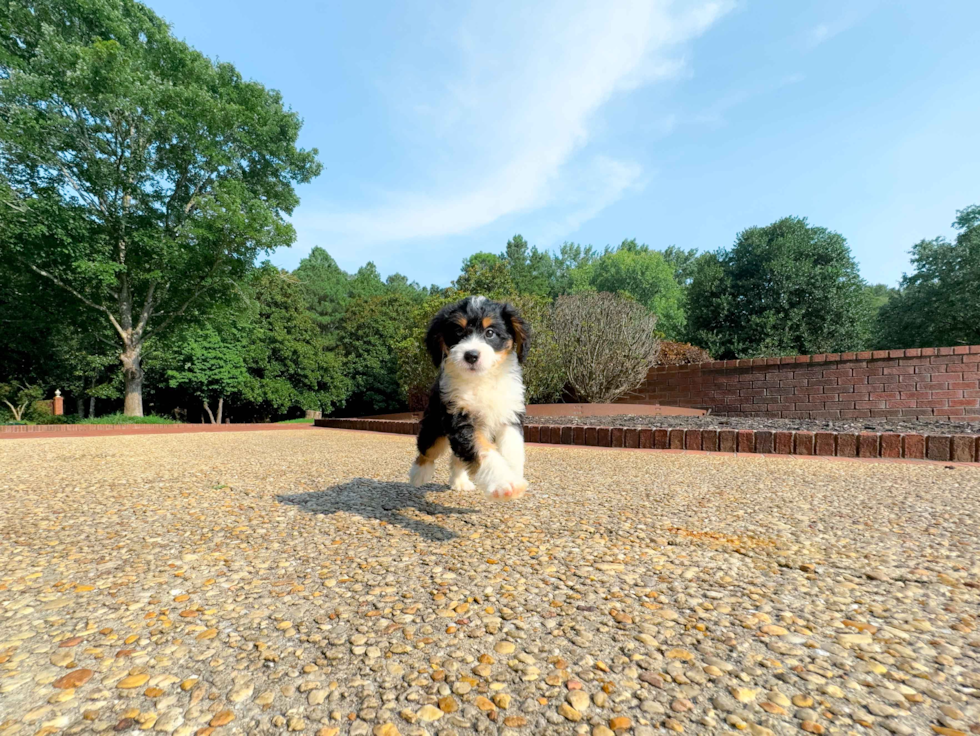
(926, 382)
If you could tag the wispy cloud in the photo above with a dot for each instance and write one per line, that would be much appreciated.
(825, 31)
(506, 127)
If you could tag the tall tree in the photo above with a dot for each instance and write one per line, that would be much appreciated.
(939, 302)
(145, 177)
(325, 288)
(532, 271)
(784, 289)
(487, 274)
(643, 274)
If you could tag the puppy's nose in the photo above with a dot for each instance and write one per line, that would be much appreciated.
(471, 356)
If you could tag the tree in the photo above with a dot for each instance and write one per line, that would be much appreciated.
(144, 178)
(289, 363)
(607, 344)
(19, 398)
(531, 271)
(325, 288)
(487, 274)
(784, 289)
(938, 304)
(643, 274)
(210, 365)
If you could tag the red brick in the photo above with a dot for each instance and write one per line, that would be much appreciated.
(532, 433)
(962, 448)
(803, 443)
(617, 436)
(764, 441)
(727, 440)
(661, 439)
(891, 444)
(746, 440)
(692, 439)
(964, 402)
(646, 438)
(846, 445)
(709, 440)
(868, 444)
(604, 436)
(592, 436)
(677, 439)
(784, 443)
(937, 447)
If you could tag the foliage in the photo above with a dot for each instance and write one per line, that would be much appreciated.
(210, 365)
(486, 274)
(126, 419)
(939, 302)
(681, 353)
(138, 176)
(784, 289)
(326, 289)
(607, 343)
(645, 275)
(18, 400)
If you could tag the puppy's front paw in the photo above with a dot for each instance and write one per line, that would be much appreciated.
(419, 475)
(507, 491)
(462, 483)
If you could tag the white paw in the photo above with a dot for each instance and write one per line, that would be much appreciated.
(419, 475)
(462, 483)
(507, 491)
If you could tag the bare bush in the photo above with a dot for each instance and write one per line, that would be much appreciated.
(607, 344)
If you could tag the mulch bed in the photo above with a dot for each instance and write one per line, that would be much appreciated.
(904, 426)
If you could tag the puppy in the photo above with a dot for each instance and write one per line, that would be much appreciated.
(476, 406)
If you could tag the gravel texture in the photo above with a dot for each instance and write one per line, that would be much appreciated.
(916, 426)
(292, 582)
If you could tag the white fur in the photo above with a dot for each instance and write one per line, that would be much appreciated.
(510, 443)
(419, 475)
(459, 479)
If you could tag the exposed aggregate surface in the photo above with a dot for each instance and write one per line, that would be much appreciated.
(917, 426)
(292, 582)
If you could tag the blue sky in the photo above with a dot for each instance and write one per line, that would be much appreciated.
(445, 128)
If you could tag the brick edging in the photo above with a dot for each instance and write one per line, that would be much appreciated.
(961, 448)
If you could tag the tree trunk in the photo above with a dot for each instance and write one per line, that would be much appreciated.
(208, 410)
(221, 406)
(133, 377)
(91, 407)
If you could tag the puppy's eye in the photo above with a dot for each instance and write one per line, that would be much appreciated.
(489, 333)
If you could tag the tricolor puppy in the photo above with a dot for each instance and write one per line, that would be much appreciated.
(476, 406)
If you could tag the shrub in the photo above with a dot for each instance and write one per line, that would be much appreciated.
(681, 353)
(607, 344)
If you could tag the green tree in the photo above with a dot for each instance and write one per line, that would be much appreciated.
(487, 274)
(326, 290)
(643, 274)
(145, 177)
(531, 271)
(939, 302)
(784, 289)
(209, 364)
(289, 363)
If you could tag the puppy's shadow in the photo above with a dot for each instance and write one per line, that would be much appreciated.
(382, 500)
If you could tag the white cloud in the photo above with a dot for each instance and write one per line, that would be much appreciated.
(503, 131)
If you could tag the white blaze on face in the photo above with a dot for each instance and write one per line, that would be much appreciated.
(487, 358)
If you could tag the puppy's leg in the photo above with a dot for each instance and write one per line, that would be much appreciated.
(431, 446)
(510, 442)
(459, 479)
(487, 467)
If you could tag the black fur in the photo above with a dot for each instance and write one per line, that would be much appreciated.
(455, 322)
(452, 324)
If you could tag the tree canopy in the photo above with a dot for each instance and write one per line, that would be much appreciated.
(137, 175)
(785, 289)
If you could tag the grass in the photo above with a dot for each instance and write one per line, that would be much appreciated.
(301, 420)
(123, 419)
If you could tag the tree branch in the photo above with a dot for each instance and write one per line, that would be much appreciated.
(84, 300)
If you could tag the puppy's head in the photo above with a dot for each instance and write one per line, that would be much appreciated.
(476, 335)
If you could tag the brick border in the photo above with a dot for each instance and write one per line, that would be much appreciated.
(38, 431)
(960, 448)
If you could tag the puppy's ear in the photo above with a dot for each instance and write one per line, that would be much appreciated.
(435, 341)
(519, 330)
